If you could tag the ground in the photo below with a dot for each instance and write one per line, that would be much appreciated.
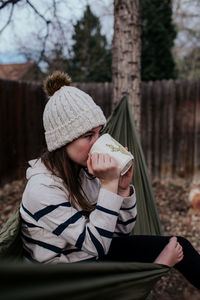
(177, 218)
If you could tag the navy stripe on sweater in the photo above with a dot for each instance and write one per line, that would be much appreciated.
(67, 252)
(106, 210)
(128, 208)
(104, 232)
(42, 244)
(80, 239)
(28, 256)
(127, 222)
(30, 225)
(64, 225)
(40, 213)
(96, 243)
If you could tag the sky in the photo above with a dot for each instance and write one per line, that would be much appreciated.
(24, 27)
(187, 17)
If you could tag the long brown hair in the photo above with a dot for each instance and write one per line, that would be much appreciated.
(59, 164)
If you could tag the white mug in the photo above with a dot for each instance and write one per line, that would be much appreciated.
(107, 144)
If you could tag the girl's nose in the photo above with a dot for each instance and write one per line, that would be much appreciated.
(95, 138)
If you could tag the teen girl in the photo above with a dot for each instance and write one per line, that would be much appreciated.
(75, 202)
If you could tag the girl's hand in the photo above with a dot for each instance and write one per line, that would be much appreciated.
(106, 169)
(124, 183)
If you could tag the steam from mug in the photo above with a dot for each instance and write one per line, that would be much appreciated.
(107, 144)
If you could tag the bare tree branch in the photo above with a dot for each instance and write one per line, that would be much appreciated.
(58, 22)
(37, 12)
(44, 44)
(45, 38)
(54, 8)
(9, 19)
(5, 3)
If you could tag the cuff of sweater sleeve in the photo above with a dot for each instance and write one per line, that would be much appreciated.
(131, 200)
(109, 200)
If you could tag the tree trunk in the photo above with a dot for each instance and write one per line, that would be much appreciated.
(126, 64)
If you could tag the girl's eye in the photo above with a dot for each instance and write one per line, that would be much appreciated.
(89, 136)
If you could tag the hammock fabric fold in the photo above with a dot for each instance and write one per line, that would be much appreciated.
(121, 126)
(91, 280)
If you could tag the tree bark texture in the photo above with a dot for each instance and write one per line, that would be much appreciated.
(126, 64)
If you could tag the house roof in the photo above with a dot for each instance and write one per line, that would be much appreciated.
(15, 71)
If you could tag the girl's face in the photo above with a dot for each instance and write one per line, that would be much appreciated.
(78, 149)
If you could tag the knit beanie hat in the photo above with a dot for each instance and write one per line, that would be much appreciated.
(69, 112)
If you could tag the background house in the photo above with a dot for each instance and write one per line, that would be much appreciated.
(22, 71)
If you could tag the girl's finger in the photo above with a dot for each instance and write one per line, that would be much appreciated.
(107, 158)
(129, 172)
(94, 159)
(89, 164)
(101, 160)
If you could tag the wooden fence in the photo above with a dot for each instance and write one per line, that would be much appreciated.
(170, 131)
(21, 106)
(170, 125)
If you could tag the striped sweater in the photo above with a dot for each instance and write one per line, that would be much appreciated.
(54, 231)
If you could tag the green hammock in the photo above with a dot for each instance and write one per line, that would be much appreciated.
(121, 126)
(87, 280)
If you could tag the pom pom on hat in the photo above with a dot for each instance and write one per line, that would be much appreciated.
(69, 112)
(55, 81)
